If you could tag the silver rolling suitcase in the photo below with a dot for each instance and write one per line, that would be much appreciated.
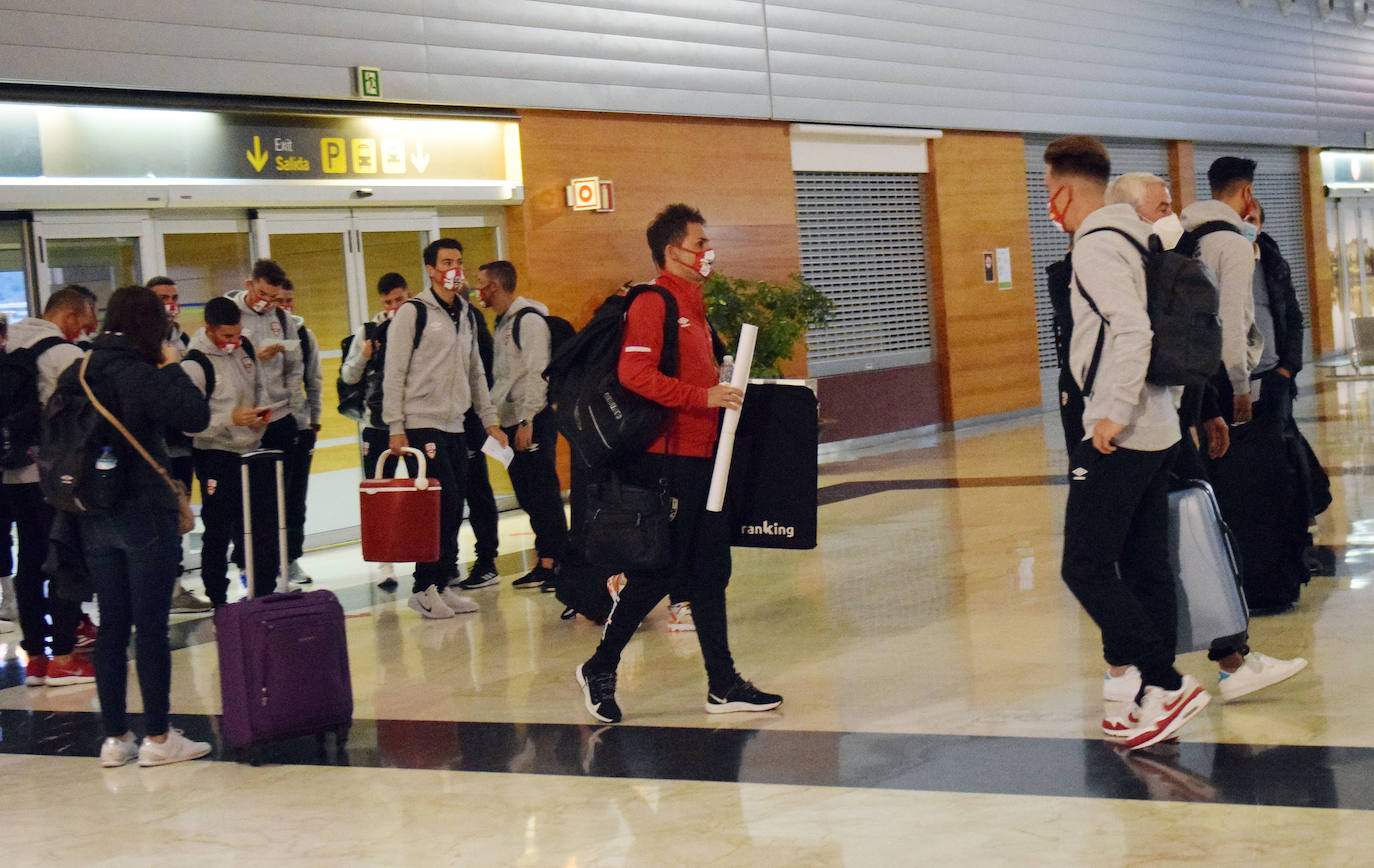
(1206, 567)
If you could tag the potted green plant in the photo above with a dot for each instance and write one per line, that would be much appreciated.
(783, 312)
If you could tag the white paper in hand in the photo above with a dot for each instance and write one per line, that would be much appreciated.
(504, 454)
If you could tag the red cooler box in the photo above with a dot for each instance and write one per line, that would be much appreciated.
(400, 517)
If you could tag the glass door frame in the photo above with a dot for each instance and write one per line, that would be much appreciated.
(63, 225)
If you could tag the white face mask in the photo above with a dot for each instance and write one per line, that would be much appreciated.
(1169, 229)
(1250, 231)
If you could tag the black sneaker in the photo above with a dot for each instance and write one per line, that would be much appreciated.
(482, 575)
(388, 584)
(741, 696)
(535, 578)
(598, 692)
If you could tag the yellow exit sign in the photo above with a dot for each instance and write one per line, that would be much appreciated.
(368, 81)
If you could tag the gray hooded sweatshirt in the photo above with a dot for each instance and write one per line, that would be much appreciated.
(433, 384)
(520, 390)
(237, 384)
(1112, 272)
(1232, 260)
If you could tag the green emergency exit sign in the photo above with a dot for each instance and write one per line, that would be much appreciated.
(369, 82)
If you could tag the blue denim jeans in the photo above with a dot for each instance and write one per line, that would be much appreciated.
(131, 555)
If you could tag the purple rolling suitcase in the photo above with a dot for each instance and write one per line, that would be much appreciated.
(283, 658)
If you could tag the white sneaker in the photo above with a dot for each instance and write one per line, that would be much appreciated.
(461, 604)
(430, 604)
(1163, 712)
(385, 575)
(9, 606)
(115, 752)
(177, 748)
(1121, 688)
(680, 618)
(295, 574)
(1256, 673)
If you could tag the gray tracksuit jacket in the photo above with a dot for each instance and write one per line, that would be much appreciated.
(520, 390)
(283, 375)
(25, 333)
(433, 384)
(1232, 260)
(1111, 271)
(237, 384)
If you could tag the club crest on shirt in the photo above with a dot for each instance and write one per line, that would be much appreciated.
(276, 328)
(430, 450)
(247, 363)
(210, 486)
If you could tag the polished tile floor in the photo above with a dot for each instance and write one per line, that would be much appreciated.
(943, 693)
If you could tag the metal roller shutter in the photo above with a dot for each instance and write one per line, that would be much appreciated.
(1048, 244)
(1278, 187)
(863, 244)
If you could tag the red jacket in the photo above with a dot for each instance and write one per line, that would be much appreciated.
(692, 426)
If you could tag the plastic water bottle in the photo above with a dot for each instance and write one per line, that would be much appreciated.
(727, 369)
(104, 488)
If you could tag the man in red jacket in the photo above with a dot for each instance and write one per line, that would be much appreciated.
(683, 456)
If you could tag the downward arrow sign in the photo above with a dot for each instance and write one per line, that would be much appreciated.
(257, 157)
(419, 159)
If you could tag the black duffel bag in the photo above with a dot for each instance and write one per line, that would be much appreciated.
(627, 525)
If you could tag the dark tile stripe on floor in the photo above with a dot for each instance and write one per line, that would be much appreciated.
(1283, 775)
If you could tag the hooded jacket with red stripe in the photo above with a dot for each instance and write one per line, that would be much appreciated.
(692, 426)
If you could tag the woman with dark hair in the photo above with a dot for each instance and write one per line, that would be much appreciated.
(132, 549)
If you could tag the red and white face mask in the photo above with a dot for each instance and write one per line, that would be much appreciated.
(172, 308)
(1057, 214)
(453, 278)
(701, 260)
(230, 346)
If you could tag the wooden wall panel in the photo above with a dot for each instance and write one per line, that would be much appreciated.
(1182, 178)
(1320, 282)
(737, 173)
(985, 337)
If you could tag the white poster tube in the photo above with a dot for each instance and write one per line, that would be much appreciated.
(725, 449)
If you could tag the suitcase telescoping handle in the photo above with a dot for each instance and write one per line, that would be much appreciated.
(245, 461)
(421, 478)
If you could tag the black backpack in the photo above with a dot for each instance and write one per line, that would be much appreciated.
(353, 396)
(375, 373)
(1182, 300)
(560, 331)
(601, 419)
(19, 418)
(72, 437)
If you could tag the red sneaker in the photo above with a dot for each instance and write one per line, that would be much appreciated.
(86, 633)
(36, 673)
(71, 669)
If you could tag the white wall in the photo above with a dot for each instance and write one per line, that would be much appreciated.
(1198, 69)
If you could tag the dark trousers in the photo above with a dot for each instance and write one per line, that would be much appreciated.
(700, 565)
(221, 511)
(534, 475)
(6, 533)
(37, 603)
(298, 449)
(183, 469)
(446, 460)
(481, 500)
(1116, 556)
(376, 442)
(131, 556)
